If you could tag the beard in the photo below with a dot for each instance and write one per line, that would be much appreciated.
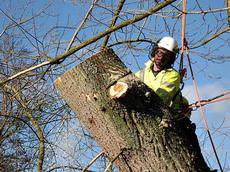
(162, 64)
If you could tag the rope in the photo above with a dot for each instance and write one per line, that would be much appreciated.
(182, 72)
(218, 98)
(183, 39)
(202, 111)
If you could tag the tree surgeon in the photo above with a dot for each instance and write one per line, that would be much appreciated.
(162, 78)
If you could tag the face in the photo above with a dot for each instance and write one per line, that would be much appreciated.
(161, 58)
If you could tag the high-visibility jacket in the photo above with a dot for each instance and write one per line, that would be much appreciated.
(166, 84)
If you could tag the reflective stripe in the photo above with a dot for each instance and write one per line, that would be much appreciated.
(142, 75)
(168, 84)
(164, 95)
(161, 91)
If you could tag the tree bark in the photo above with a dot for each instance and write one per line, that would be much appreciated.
(127, 119)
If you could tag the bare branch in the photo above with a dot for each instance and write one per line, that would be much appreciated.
(23, 21)
(24, 72)
(35, 123)
(63, 56)
(68, 167)
(212, 37)
(208, 11)
(215, 99)
(81, 25)
(163, 13)
(111, 162)
(116, 14)
(23, 30)
(91, 162)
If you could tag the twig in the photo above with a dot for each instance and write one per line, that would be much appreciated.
(25, 71)
(218, 98)
(24, 21)
(202, 11)
(35, 123)
(63, 56)
(24, 121)
(81, 25)
(207, 11)
(111, 162)
(68, 167)
(91, 162)
(205, 102)
(211, 38)
(23, 30)
(116, 14)
(131, 41)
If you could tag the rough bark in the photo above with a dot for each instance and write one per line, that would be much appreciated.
(135, 128)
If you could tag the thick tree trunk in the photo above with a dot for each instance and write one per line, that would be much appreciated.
(127, 119)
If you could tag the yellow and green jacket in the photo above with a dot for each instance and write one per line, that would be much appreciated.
(166, 84)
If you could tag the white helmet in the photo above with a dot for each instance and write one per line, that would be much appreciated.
(168, 43)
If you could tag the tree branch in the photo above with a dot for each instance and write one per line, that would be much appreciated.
(91, 162)
(21, 28)
(24, 72)
(212, 37)
(68, 167)
(81, 25)
(35, 123)
(116, 14)
(16, 23)
(63, 56)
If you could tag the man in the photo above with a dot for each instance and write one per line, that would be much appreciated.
(160, 76)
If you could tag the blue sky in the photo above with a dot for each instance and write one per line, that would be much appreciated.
(212, 77)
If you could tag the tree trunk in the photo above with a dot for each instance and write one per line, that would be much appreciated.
(127, 119)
